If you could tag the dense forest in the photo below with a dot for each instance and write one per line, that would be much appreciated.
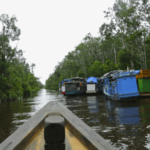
(124, 41)
(16, 75)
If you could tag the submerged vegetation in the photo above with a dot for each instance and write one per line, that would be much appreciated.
(125, 41)
(16, 79)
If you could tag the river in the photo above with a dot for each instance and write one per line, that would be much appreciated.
(125, 125)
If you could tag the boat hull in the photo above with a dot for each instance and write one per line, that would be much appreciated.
(123, 87)
(89, 92)
(92, 88)
(30, 134)
(74, 92)
(63, 89)
(122, 97)
(63, 92)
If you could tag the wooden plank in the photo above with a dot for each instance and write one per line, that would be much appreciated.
(71, 142)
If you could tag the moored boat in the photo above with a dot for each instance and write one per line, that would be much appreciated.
(32, 135)
(120, 85)
(107, 88)
(77, 85)
(92, 85)
(63, 85)
(143, 80)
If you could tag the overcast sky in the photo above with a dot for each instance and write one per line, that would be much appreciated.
(52, 28)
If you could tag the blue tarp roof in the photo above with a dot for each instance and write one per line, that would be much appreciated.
(91, 79)
(126, 73)
(66, 80)
(137, 71)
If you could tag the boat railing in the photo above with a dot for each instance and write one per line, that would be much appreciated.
(110, 74)
(122, 74)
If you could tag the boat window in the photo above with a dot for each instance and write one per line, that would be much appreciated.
(71, 87)
(111, 79)
(82, 81)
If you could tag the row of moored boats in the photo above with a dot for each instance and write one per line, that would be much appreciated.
(117, 85)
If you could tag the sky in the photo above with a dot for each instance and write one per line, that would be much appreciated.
(52, 28)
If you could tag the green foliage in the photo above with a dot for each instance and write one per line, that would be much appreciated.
(80, 73)
(16, 80)
(125, 41)
(96, 69)
(124, 59)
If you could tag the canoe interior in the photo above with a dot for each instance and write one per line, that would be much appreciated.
(78, 134)
(71, 142)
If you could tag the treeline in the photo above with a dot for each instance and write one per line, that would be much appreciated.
(125, 41)
(16, 79)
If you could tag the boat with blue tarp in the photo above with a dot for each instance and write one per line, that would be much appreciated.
(120, 85)
(92, 85)
(76, 85)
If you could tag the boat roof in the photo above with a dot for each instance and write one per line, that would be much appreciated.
(109, 74)
(137, 71)
(127, 73)
(67, 80)
(91, 79)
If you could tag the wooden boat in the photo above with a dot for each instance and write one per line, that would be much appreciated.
(120, 85)
(77, 85)
(143, 80)
(78, 136)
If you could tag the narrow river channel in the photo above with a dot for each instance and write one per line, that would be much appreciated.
(125, 125)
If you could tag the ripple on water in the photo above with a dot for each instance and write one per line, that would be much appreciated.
(124, 124)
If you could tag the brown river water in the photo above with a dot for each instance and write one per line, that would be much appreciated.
(125, 125)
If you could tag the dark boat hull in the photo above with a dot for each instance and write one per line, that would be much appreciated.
(74, 92)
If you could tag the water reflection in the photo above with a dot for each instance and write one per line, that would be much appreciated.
(126, 125)
(14, 113)
(144, 110)
(93, 104)
(123, 113)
